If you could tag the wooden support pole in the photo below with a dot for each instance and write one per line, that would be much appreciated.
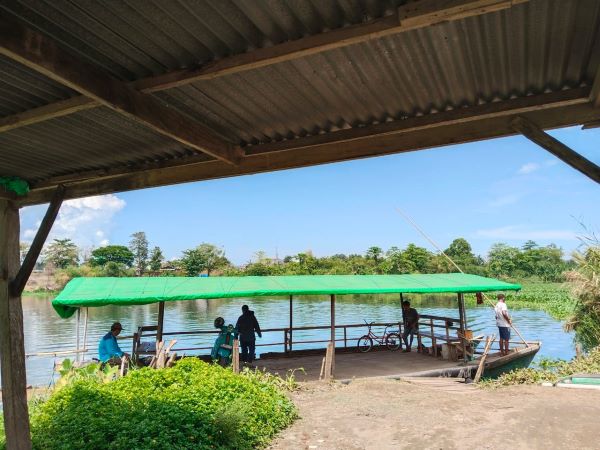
(78, 321)
(291, 324)
(463, 324)
(332, 300)
(535, 134)
(235, 356)
(161, 320)
(481, 367)
(12, 346)
(18, 284)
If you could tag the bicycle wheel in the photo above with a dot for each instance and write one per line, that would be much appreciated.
(365, 344)
(393, 341)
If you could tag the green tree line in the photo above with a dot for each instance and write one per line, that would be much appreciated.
(546, 263)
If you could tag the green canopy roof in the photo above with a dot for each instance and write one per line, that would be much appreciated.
(83, 292)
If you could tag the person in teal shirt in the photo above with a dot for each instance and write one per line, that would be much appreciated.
(108, 349)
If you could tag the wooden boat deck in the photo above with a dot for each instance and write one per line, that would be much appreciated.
(349, 365)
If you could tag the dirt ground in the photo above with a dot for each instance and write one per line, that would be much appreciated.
(389, 414)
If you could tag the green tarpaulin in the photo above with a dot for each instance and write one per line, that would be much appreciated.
(15, 184)
(84, 292)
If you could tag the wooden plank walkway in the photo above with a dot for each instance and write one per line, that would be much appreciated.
(455, 385)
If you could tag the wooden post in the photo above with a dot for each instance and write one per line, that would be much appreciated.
(332, 300)
(463, 324)
(161, 319)
(12, 346)
(480, 368)
(235, 356)
(77, 334)
(85, 327)
(291, 324)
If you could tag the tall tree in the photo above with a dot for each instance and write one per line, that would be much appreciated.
(139, 247)
(111, 253)
(205, 257)
(62, 253)
(420, 257)
(156, 259)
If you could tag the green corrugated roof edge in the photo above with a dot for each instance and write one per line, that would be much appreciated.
(15, 184)
(91, 292)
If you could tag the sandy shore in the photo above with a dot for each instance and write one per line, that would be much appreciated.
(388, 414)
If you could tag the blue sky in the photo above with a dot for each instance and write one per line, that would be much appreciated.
(502, 190)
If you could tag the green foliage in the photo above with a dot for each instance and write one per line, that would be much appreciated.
(545, 263)
(70, 374)
(139, 248)
(112, 253)
(585, 282)
(549, 370)
(62, 253)
(156, 259)
(193, 405)
(204, 258)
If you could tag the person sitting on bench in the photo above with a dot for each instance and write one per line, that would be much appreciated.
(108, 348)
(411, 324)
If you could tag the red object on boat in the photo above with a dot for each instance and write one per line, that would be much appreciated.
(479, 297)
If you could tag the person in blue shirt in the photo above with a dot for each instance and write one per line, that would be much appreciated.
(108, 349)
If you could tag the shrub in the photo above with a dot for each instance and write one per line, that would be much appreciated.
(192, 405)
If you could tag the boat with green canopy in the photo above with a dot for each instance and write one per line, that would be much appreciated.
(444, 349)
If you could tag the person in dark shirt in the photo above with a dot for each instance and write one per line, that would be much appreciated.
(411, 324)
(246, 326)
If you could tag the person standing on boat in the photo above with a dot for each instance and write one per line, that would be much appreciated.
(108, 348)
(503, 322)
(246, 326)
(411, 324)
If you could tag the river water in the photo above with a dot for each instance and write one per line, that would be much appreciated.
(45, 331)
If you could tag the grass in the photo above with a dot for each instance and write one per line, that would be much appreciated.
(548, 370)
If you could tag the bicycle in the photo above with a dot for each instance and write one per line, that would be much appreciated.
(391, 340)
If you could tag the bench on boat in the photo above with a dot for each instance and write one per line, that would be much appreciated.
(430, 327)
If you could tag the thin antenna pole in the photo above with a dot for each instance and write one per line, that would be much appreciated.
(438, 248)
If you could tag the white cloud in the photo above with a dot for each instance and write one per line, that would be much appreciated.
(528, 168)
(520, 232)
(87, 221)
(504, 200)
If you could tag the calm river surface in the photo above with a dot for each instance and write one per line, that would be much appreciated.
(45, 331)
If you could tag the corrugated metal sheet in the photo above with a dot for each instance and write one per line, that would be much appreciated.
(138, 38)
(89, 140)
(22, 89)
(540, 46)
(533, 48)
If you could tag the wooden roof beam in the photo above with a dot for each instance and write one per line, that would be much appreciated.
(413, 15)
(595, 93)
(451, 127)
(536, 134)
(44, 55)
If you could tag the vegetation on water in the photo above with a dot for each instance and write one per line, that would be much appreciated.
(193, 405)
(548, 370)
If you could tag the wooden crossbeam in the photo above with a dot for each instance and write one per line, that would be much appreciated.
(411, 16)
(44, 55)
(595, 92)
(534, 133)
(453, 127)
(464, 115)
(18, 284)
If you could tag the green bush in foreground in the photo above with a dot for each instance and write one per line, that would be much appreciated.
(549, 371)
(192, 405)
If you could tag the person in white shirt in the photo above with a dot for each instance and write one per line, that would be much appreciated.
(503, 322)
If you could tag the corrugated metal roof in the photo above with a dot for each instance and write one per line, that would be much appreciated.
(22, 89)
(137, 38)
(88, 140)
(539, 46)
(534, 48)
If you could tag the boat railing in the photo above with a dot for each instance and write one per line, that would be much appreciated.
(343, 333)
